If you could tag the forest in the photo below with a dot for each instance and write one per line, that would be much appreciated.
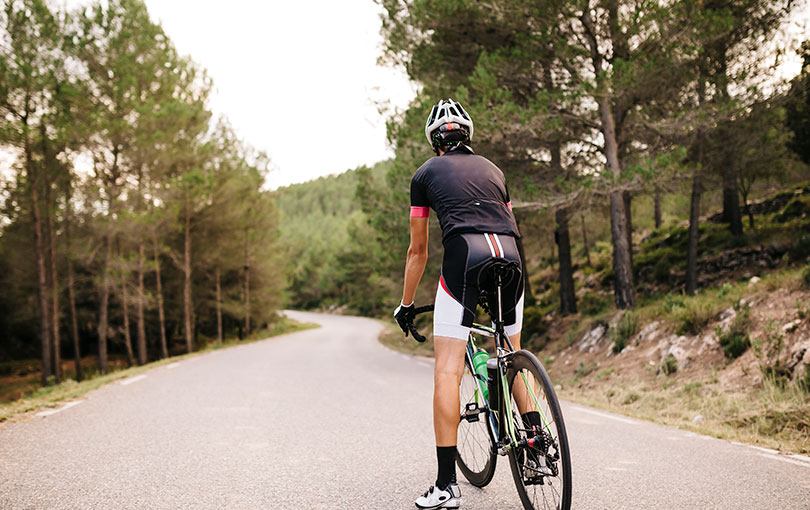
(135, 224)
(615, 126)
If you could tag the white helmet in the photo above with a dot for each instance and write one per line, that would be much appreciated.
(447, 113)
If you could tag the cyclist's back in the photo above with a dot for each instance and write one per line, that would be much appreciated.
(467, 191)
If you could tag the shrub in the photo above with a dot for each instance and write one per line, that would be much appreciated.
(669, 365)
(806, 275)
(534, 324)
(693, 317)
(626, 328)
(794, 209)
(804, 381)
(592, 303)
(736, 341)
(584, 369)
(661, 270)
(800, 250)
(672, 302)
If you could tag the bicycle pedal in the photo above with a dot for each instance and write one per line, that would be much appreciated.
(472, 412)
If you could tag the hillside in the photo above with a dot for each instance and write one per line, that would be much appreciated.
(316, 221)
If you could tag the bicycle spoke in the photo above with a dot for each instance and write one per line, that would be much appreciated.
(541, 471)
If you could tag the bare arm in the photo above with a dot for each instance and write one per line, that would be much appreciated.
(417, 258)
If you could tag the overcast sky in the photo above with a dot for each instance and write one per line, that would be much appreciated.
(297, 79)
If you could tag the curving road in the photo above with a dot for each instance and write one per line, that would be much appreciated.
(330, 419)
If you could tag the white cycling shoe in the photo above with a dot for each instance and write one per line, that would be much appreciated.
(438, 498)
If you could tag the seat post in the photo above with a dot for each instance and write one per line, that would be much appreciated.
(500, 307)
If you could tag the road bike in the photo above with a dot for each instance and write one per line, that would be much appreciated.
(497, 396)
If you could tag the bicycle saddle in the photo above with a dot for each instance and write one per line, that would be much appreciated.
(495, 267)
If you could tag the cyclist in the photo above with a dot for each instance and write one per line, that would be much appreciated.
(470, 198)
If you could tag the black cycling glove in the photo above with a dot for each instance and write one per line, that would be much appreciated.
(404, 316)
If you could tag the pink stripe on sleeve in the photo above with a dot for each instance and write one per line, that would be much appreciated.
(509, 205)
(420, 212)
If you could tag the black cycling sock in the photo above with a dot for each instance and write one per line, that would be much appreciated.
(531, 419)
(446, 456)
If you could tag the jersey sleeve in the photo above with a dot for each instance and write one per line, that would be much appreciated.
(420, 204)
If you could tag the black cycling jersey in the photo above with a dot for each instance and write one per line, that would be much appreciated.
(467, 191)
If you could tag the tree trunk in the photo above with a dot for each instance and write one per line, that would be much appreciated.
(694, 207)
(568, 298)
(39, 253)
(247, 288)
(105, 283)
(127, 335)
(142, 354)
(694, 233)
(731, 199)
(103, 305)
(77, 359)
(187, 308)
(749, 212)
(219, 307)
(164, 349)
(55, 341)
(628, 202)
(142, 351)
(657, 207)
(622, 261)
(585, 240)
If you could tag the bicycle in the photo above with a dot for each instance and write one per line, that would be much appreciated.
(538, 455)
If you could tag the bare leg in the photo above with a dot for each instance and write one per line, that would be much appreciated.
(522, 397)
(447, 374)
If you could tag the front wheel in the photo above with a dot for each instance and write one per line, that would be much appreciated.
(542, 472)
(476, 457)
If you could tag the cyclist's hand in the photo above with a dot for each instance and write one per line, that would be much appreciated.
(404, 316)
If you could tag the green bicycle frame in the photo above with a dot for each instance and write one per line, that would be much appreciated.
(498, 417)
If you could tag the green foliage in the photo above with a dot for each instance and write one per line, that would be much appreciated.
(534, 323)
(735, 341)
(624, 331)
(662, 270)
(693, 316)
(584, 370)
(806, 275)
(803, 382)
(800, 250)
(669, 365)
(593, 303)
(334, 253)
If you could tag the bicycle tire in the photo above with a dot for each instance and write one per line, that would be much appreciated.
(476, 457)
(526, 480)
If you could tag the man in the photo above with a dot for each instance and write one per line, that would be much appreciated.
(469, 195)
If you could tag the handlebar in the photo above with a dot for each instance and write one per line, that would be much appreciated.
(412, 327)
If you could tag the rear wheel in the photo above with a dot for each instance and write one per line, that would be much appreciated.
(542, 473)
(476, 454)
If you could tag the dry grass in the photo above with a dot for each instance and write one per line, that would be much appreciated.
(393, 338)
(772, 415)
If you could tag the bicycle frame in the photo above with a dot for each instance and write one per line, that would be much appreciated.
(505, 438)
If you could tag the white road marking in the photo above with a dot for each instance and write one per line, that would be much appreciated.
(425, 363)
(615, 469)
(132, 379)
(785, 458)
(173, 365)
(768, 452)
(49, 412)
(605, 415)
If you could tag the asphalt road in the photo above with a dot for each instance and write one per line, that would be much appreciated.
(330, 419)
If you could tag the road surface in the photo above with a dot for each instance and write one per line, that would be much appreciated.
(330, 419)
